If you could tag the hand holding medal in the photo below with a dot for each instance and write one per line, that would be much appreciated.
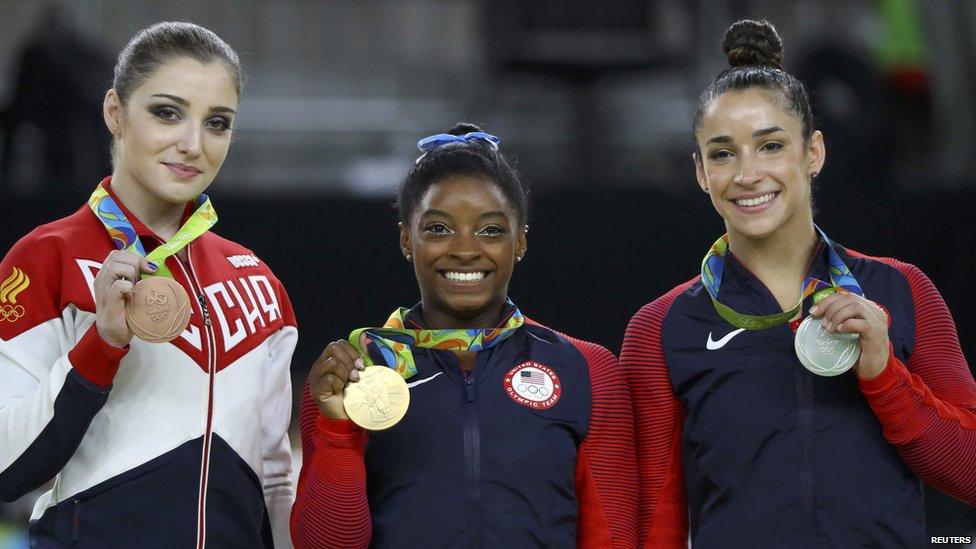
(853, 316)
(819, 348)
(157, 308)
(374, 397)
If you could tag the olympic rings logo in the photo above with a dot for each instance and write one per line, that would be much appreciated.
(533, 389)
(11, 313)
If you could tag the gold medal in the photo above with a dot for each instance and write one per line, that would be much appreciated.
(159, 309)
(378, 400)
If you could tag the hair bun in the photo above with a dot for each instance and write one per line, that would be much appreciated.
(462, 128)
(753, 43)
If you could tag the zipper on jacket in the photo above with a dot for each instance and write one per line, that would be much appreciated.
(211, 347)
(472, 462)
(76, 521)
(804, 390)
(204, 309)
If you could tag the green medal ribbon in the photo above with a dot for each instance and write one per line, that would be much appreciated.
(124, 234)
(393, 341)
(713, 265)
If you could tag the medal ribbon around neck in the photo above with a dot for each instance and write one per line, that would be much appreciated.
(124, 234)
(394, 342)
(713, 265)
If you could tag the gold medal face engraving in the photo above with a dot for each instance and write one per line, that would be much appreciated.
(378, 400)
(158, 311)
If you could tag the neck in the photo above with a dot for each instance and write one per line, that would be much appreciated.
(780, 258)
(163, 218)
(435, 319)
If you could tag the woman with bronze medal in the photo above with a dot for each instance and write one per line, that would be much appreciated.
(459, 422)
(148, 373)
(794, 394)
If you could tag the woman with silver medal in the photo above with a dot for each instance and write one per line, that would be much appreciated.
(751, 435)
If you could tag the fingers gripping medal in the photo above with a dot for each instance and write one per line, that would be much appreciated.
(381, 397)
(378, 400)
(159, 309)
(822, 352)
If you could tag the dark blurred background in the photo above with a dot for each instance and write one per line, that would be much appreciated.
(593, 99)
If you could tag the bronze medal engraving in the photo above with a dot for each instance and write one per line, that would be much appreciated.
(378, 400)
(159, 310)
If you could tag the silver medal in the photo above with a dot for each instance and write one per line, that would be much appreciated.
(825, 353)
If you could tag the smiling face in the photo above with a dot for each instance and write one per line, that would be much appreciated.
(173, 132)
(463, 239)
(756, 165)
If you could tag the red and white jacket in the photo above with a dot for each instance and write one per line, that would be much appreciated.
(170, 445)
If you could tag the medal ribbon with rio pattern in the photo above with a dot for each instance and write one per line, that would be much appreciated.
(713, 265)
(124, 234)
(394, 341)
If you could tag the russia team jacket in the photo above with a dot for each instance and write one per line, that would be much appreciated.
(179, 444)
(534, 448)
(735, 435)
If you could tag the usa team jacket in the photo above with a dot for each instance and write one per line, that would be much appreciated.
(181, 444)
(533, 449)
(736, 435)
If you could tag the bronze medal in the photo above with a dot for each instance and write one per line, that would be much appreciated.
(159, 310)
(378, 400)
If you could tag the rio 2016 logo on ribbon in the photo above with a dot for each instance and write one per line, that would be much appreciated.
(17, 282)
(533, 385)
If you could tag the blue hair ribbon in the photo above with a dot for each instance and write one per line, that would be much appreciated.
(430, 143)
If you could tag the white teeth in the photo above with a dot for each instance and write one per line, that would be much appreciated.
(755, 201)
(464, 277)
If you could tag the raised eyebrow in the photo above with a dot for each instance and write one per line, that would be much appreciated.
(428, 213)
(185, 103)
(494, 214)
(767, 131)
(173, 98)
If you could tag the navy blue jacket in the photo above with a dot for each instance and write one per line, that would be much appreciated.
(473, 463)
(768, 454)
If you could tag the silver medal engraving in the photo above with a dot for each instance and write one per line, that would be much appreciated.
(825, 353)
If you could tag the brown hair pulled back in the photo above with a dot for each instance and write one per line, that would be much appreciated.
(754, 51)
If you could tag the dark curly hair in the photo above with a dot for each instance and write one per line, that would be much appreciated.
(472, 158)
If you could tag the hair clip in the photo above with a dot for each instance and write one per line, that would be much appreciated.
(430, 143)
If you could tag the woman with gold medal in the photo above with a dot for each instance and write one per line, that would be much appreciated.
(471, 425)
(794, 394)
(148, 373)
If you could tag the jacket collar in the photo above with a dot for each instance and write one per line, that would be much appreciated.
(414, 319)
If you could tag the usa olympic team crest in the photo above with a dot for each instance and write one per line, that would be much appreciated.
(533, 385)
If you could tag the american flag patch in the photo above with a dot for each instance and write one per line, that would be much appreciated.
(533, 377)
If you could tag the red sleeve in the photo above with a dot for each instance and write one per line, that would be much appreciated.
(928, 407)
(330, 509)
(662, 519)
(606, 467)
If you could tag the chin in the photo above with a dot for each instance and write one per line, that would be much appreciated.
(757, 228)
(180, 192)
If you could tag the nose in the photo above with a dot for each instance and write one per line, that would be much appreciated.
(465, 248)
(746, 174)
(191, 141)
